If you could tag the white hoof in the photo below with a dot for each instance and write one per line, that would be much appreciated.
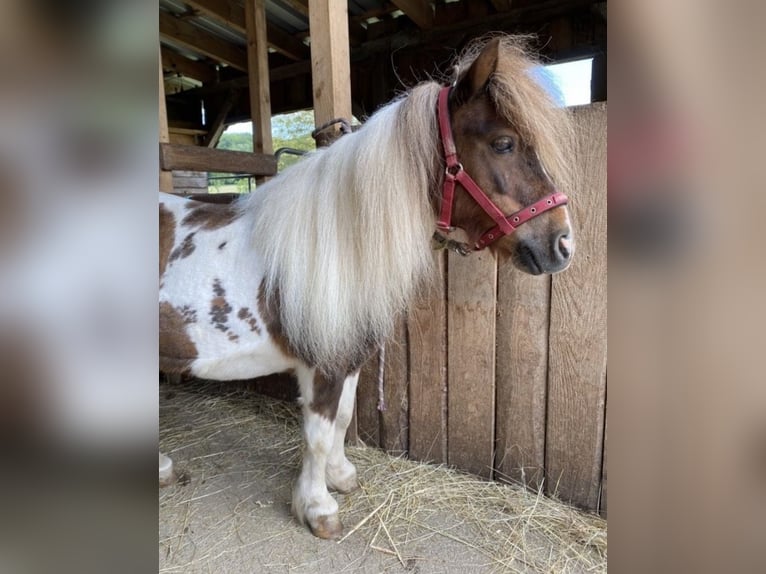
(320, 513)
(167, 475)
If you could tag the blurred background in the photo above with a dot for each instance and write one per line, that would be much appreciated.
(78, 230)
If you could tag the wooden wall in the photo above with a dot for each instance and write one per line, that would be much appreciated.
(503, 374)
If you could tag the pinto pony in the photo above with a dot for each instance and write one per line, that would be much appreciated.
(308, 273)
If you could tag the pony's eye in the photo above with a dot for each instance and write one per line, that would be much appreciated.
(503, 144)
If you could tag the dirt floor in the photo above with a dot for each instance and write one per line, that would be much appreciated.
(238, 453)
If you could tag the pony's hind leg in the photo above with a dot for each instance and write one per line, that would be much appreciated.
(312, 503)
(341, 474)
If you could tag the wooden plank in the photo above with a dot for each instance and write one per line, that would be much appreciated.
(367, 415)
(198, 182)
(174, 62)
(258, 72)
(197, 158)
(330, 64)
(523, 305)
(602, 502)
(232, 15)
(394, 419)
(201, 42)
(300, 6)
(419, 11)
(577, 353)
(471, 283)
(165, 176)
(502, 5)
(427, 329)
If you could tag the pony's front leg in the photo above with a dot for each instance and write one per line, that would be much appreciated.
(341, 474)
(312, 503)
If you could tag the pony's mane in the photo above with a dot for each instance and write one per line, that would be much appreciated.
(345, 234)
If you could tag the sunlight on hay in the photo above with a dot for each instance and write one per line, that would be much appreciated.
(400, 505)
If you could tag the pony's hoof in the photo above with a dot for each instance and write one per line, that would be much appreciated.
(346, 486)
(327, 527)
(167, 474)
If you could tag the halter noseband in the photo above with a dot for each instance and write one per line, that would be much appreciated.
(506, 224)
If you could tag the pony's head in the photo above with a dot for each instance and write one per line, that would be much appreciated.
(512, 140)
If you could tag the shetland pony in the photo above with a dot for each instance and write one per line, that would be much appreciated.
(307, 274)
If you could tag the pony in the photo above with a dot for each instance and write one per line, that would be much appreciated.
(307, 274)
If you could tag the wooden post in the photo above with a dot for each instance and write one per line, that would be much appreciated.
(166, 177)
(258, 74)
(330, 63)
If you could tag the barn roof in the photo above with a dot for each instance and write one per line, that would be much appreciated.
(392, 44)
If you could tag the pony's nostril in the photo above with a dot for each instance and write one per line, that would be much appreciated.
(564, 246)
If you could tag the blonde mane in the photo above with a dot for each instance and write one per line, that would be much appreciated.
(345, 234)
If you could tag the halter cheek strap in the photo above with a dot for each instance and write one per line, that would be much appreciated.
(455, 173)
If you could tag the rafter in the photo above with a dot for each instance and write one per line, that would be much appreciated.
(300, 6)
(233, 16)
(419, 11)
(502, 5)
(174, 62)
(200, 41)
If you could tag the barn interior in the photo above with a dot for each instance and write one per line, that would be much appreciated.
(224, 62)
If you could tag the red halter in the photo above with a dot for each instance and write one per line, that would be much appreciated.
(506, 224)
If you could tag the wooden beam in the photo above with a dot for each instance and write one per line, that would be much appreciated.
(286, 44)
(502, 5)
(330, 63)
(219, 123)
(198, 158)
(233, 16)
(258, 72)
(166, 178)
(300, 6)
(174, 62)
(419, 11)
(201, 42)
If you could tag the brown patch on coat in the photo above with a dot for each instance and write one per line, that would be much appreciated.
(189, 314)
(167, 236)
(327, 391)
(177, 350)
(247, 316)
(328, 386)
(220, 308)
(185, 249)
(269, 306)
(210, 216)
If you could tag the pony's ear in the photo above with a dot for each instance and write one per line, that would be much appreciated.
(474, 80)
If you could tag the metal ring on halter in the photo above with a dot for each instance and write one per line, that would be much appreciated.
(458, 167)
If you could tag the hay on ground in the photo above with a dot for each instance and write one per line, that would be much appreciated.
(243, 451)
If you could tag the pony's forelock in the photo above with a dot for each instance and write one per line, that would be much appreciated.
(523, 101)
